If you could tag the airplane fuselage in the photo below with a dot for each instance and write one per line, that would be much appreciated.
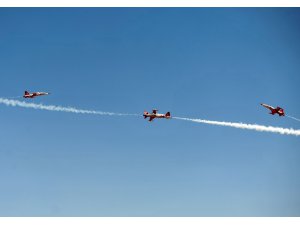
(277, 110)
(152, 116)
(35, 94)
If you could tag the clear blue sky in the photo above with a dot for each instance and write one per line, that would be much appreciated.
(215, 64)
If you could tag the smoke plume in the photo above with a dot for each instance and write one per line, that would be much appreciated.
(14, 103)
(293, 118)
(255, 127)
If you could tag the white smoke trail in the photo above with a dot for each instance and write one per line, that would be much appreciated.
(293, 118)
(9, 102)
(280, 130)
(14, 97)
(255, 127)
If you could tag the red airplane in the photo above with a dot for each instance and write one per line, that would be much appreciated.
(278, 110)
(154, 115)
(34, 94)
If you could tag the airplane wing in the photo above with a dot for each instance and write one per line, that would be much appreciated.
(154, 111)
(151, 118)
(267, 106)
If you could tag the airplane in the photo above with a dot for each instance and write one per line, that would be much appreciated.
(34, 94)
(154, 115)
(278, 110)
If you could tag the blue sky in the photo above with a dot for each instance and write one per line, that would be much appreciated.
(215, 64)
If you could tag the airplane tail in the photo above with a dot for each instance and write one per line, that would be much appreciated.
(145, 113)
(168, 114)
(26, 93)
